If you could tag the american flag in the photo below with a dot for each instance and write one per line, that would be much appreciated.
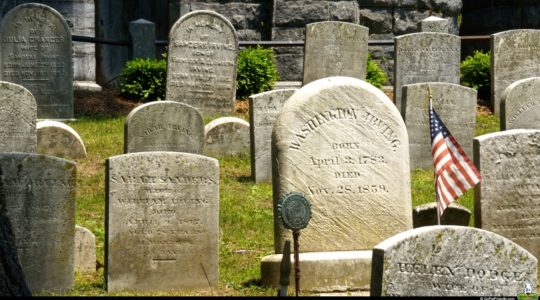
(454, 171)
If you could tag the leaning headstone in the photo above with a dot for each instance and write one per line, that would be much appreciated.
(85, 250)
(507, 198)
(36, 52)
(164, 126)
(201, 63)
(520, 105)
(335, 48)
(433, 24)
(515, 55)
(342, 143)
(39, 191)
(263, 110)
(450, 261)
(454, 214)
(425, 57)
(17, 119)
(58, 139)
(162, 227)
(455, 104)
(226, 136)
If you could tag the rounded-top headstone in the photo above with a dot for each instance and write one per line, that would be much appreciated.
(342, 142)
(36, 52)
(433, 24)
(164, 126)
(450, 261)
(520, 105)
(17, 119)
(58, 139)
(227, 136)
(201, 62)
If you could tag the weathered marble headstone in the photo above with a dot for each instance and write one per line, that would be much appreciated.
(450, 261)
(201, 62)
(507, 200)
(85, 250)
(343, 143)
(39, 191)
(162, 227)
(164, 126)
(520, 105)
(425, 57)
(17, 119)
(263, 110)
(454, 214)
(36, 52)
(226, 136)
(515, 55)
(58, 139)
(455, 104)
(433, 24)
(335, 48)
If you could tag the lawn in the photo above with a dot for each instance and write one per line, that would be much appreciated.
(246, 221)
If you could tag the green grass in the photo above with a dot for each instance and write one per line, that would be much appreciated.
(246, 223)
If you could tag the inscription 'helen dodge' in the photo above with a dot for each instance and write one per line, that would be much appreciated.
(35, 52)
(162, 222)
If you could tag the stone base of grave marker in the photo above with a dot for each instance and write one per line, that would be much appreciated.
(86, 86)
(323, 271)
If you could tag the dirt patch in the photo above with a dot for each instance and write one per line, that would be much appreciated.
(107, 103)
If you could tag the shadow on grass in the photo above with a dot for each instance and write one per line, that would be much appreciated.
(244, 179)
(255, 282)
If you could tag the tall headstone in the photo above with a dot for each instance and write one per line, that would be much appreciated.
(425, 57)
(263, 111)
(520, 105)
(58, 139)
(162, 228)
(433, 24)
(455, 104)
(507, 200)
(226, 136)
(164, 126)
(201, 63)
(450, 261)
(515, 55)
(342, 143)
(36, 52)
(335, 48)
(39, 192)
(17, 119)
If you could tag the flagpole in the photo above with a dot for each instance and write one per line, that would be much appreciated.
(434, 174)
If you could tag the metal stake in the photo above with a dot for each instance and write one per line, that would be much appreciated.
(296, 235)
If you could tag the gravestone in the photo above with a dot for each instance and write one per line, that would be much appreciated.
(520, 105)
(227, 136)
(433, 24)
(143, 39)
(85, 250)
(263, 110)
(17, 119)
(455, 104)
(507, 200)
(341, 142)
(162, 228)
(515, 55)
(450, 261)
(58, 139)
(335, 48)
(454, 214)
(12, 280)
(201, 63)
(39, 191)
(36, 52)
(164, 126)
(425, 57)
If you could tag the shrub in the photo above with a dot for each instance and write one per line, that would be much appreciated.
(374, 74)
(144, 78)
(256, 71)
(475, 73)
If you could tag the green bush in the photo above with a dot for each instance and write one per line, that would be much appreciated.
(144, 78)
(475, 73)
(256, 71)
(374, 74)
